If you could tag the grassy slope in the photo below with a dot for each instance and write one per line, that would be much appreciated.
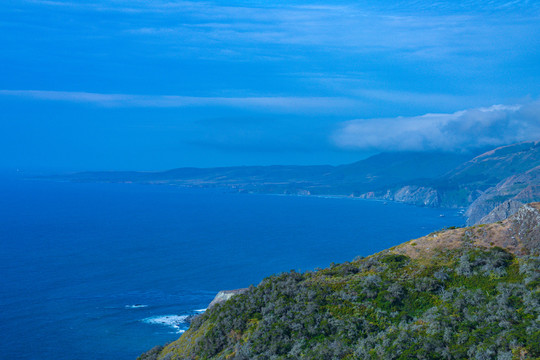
(426, 299)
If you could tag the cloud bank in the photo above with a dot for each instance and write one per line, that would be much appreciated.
(459, 131)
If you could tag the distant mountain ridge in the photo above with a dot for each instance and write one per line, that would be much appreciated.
(481, 183)
(378, 171)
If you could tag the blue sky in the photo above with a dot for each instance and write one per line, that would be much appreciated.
(150, 85)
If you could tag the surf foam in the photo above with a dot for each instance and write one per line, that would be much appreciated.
(172, 321)
(136, 306)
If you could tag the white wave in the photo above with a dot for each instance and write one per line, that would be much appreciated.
(172, 321)
(200, 310)
(136, 306)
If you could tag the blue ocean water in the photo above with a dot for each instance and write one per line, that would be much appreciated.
(107, 271)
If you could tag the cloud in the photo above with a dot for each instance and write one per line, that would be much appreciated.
(288, 104)
(459, 131)
(440, 31)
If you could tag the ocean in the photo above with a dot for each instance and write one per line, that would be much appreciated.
(107, 271)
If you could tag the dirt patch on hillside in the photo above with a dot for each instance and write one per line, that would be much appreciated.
(508, 234)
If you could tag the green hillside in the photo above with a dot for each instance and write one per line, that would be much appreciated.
(456, 294)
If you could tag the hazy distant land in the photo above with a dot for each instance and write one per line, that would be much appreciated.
(503, 177)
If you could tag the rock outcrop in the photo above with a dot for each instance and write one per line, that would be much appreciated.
(517, 189)
(526, 226)
(225, 295)
(417, 195)
(501, 212)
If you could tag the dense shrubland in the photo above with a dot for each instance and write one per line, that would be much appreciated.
(466, 303)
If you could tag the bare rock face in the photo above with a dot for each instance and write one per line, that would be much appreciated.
(225, 295)
(418, 195)
(521, 188)
(526, 226)
(501, 212)
(410, 194)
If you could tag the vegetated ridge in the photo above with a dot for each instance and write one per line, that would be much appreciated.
(466, 293)
(506, 176)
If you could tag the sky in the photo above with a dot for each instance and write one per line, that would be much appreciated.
(154, 85)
